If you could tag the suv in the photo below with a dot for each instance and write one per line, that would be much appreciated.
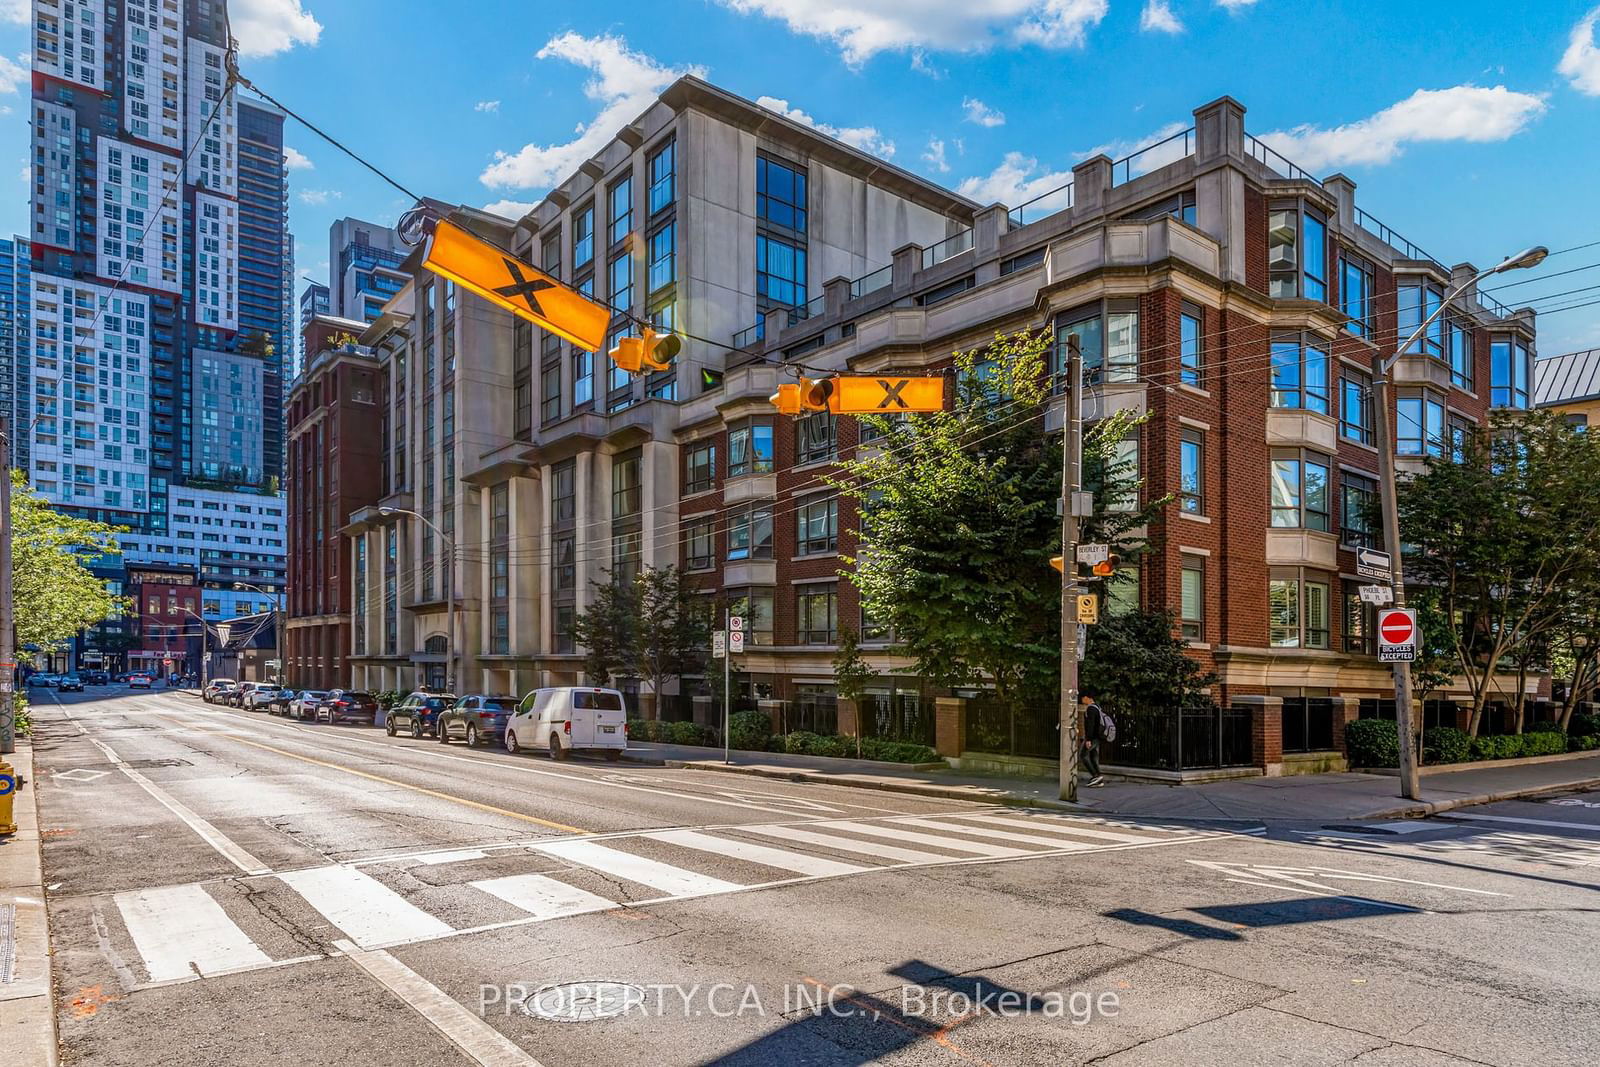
(234, 697)
(476, 718)
(348, 705)
(305, 703)
(212, 693)
(277, 702)
(259, 697)
(418, 713)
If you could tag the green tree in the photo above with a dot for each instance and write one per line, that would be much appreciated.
(648, 628)
(1134, 661)
(959, 520)
(54, 593)
(1502, 531)
(851, 675)
(605, 630)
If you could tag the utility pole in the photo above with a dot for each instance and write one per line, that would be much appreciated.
(1071, 483)
(8, 651)
(727, 681)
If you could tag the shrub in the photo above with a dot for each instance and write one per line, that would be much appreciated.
(642, 730)
(1446, 744)
(1582, 742)
(775, 743)
(897, 751)
(1372, 743)
(23, 721)
(799, 743)
(1542, 727)
(686, 733)
(750, 730)
(1584, 725)
(1544, 743)
(1507, 746)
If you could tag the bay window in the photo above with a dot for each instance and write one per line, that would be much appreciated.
(1297, 251)
(750, 449)
(1300, 372)
(1417, 300)
(1299, 490)
(1419, 425)
(1510, 371)
(1297, 609)
(750, 532)
(1108, 340)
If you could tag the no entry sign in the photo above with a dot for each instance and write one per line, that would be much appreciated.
(1397, 635)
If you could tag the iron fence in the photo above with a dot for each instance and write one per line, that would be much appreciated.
(996, 727)
(1307, 724)
(897, 716)
(1185, 739)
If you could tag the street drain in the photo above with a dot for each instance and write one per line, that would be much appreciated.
(583, 1002)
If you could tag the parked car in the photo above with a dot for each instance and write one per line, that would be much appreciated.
(348, 705)
(70, 683)
(260, 697)
(43, 679)
(476, 719)
(305, 703)
(568, 719)
(418, 713)
(94, 677)
(214, 689)
(234, 697)
(277, 702)
(140, 681)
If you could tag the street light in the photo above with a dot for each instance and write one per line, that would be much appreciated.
(277, 622)
(1410, 778)
(205, 631)
(449, 592)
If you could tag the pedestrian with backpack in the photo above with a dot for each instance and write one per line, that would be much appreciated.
(1097, 727)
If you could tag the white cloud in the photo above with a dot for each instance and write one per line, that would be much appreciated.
(1581, 61)
(934, 156)
(18, 11)
(488, 106)
(865, 138)
(1147, 161)
(624, 84)
(1015, 181)
(319, 196)
(981, 113)
(1157, 16)
(1462, 113)
(863, 28)
(294, 159)
(15, 74)
(1235, 5)
(267, 27)
(921, 64)
(509, 209)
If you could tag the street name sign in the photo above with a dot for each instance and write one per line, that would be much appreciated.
(1397, 635)
(1370, 563)
(1377, 594)
(1092, 554)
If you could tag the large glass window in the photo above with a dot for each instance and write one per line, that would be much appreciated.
(1460, 342)
(750, 449)
(754, 605)
(1283, 612)
(699, 467)
(1191, 466)
(583, 236)
(1192, 608)
(661, 268)
(550, 393)
(814, 437)
(1300, 490)
(1190, 352)
(660, 170)
(1419, 425)
(1509, 373)
(582, 378)
(1299, 373)
(1417, 300)
(621, 288)
(1356, 287)
(1355, 406)
(750, 532)
(1297, 252)
(780, 194)
(620, 210)
(564, 492)
(780, 271)
(564, 563)
(818, 611)
(1297, 610)
(625, 485)
(817, 526)
(1108, 342)
(522, 381)
(1358, 511)
(700, 544)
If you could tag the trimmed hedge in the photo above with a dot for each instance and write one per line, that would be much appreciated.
(1583, 725)
(1372, 743)
(750, 731)
(672, 733)
(1583, 742)
(1515, 746)
(1445, 744)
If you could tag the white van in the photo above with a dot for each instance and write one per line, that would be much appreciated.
(570, 718)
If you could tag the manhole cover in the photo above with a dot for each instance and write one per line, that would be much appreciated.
(582, 1002)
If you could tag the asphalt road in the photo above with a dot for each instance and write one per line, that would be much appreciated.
(225, 887)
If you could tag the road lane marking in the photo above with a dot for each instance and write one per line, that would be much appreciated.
(952, 826)
(1051, 826)
(845, 844)
(1593, 828)
(180, 930)
(782, 859)
(543, 898)
(653, 873)
(457, 855)
(893, 832)
(481, 1043)
(414, 788)
(365, 909)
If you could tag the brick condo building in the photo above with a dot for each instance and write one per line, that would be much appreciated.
(1232, 297)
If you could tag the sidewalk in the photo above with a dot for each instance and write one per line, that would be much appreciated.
(1297, 798)
(27, 1004)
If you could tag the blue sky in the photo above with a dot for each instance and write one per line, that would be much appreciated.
(1471, 128)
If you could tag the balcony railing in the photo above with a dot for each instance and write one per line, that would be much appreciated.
(811, 307)
(1390, 238)
(1153, 156)
(1057, 199)
(949, 248)
(871, 283)
(751, 334)
(1493, 306)
(1276, 161)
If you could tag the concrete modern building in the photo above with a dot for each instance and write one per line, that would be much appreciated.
(364, 260)
(1570, 384)
(336, 448)
(158, 287)
(314, 301)
(15, 344)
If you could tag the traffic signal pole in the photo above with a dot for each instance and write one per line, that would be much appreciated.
(1071, 483)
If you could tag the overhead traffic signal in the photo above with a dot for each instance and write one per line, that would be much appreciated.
(650, 350)
(807, 395)
(875, 395)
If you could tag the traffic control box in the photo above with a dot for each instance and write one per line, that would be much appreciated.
(9, 783)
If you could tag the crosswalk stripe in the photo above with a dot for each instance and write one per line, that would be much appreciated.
(653, 873)
(1050, 826)
(541, 897)
(952, 826)
(845, 844)
(897, 834)
(177, 926)
(368, 911)
(783, 859)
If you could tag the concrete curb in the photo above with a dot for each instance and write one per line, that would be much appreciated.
(27, 1002)
(885, 785)
(1417, 811)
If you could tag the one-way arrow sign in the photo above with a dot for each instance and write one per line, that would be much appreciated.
(1370, 563)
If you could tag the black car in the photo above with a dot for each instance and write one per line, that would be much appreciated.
(418, 714)
(348, 705)
(70, 683)
(476, 719)
(95, 677)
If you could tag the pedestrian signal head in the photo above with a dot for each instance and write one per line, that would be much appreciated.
(1105, 568)
(808, 395)
(648, 351)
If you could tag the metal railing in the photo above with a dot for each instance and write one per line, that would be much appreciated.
(949, 248)
(1307, 724)
(811, 307)
(1043, 205)
(751, 334)
(871, 283)
(998, 728)
(1392, 239)
(1169, 739)
(1151, 156)
(1493, 306)
(1276, 161)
